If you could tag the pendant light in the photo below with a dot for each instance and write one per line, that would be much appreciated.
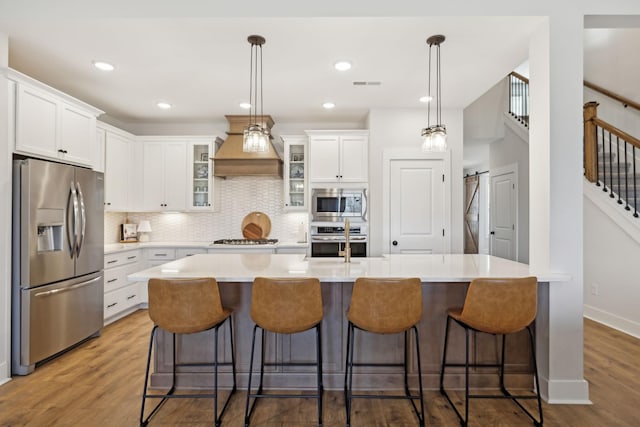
(434, 137)
(256, 135)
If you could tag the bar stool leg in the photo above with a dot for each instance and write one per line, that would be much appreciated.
(319, 372)
(501, 372)
(535, 372)
(247, 411)
(350, 367)
(346, 372)
(444, 356)
(466, 378)
(215, 378)
(421, 415)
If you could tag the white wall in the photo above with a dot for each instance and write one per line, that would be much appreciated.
(5, 219)
(611, 291)
(397, 128)
(509, 150)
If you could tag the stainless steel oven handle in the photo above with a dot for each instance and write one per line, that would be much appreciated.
(68, 288)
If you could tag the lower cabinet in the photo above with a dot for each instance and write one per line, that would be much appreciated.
(121, 297)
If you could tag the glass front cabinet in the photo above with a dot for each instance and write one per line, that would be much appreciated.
(202, 194)
(295, 173)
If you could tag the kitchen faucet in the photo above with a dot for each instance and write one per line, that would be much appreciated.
(347, 245)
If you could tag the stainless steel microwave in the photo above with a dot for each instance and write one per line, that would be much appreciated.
(337, 204)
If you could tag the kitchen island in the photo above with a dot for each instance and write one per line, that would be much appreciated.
(444, 281)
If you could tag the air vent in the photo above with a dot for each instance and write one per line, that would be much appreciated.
(367, 83)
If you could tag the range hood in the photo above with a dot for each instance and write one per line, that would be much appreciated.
(230, 160)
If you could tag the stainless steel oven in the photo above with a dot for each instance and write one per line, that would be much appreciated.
(338, 204)
(329, 240)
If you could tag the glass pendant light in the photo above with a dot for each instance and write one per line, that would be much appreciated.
(434, 137)
(256, 135)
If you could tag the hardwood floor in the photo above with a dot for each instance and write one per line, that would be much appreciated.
(99, 384)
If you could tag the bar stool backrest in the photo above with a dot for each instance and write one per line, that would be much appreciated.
(500, 306)
(385, 306)
(286, 305)
(184, 306)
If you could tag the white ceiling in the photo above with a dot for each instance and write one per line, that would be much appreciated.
(201, 66)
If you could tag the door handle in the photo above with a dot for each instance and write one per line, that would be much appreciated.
(83, 219)
(394, 243)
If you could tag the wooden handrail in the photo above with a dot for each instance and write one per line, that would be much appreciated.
(520, 76)
(625, 101)
(617, 132)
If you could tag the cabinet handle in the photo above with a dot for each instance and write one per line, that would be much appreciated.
(112, 261)
(108, 203)
(337, 176)
(159, 254)
(112, 305)
(132, 257)
(112, 280)
(60, 150)
(131, 296)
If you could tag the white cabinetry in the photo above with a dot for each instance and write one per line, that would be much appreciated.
(338, 156)
(165, 175)
(118, 171)
(51, 124)
(295, 173)
(121, 297)
(201, 184)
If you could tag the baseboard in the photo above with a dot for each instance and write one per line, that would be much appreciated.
(618, 323)
(565, 392)
(4, 368)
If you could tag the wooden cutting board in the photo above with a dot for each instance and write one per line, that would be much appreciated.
(256, 225)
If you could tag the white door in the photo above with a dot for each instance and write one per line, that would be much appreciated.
(417, 206)
(503, 213)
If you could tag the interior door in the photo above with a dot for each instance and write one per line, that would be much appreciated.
(417, 206)
(471, 214)
(503, 215)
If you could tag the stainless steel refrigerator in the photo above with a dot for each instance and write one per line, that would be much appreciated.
(58, 258)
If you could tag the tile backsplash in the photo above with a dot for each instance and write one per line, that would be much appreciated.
(238, 197)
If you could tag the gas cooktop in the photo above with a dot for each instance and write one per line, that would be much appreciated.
(245, 242)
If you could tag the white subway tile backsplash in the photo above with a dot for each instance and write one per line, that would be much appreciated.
(239, 196)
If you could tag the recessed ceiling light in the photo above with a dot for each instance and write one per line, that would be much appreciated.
(245, 105)
(104, 66)
(342, 65)
(328, 105)
(163, 105)
(425, 99)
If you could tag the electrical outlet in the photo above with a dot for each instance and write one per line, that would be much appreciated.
(594, 289)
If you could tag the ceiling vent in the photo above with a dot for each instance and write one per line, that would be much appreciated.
(367, 83)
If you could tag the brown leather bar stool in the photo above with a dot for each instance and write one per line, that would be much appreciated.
(385, 306)
(285, 306)
(497, 307)
(187, 306)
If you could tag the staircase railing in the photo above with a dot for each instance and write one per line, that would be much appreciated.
(610, 159)
(519, 98)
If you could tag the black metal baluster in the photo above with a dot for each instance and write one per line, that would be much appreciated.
(610, 168)
(604, 163)
(597, 160)
(626, 177)
(618, 160)
(635, 192)
(511, 94)
(526, 104)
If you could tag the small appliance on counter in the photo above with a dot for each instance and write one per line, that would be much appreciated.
(58, 258)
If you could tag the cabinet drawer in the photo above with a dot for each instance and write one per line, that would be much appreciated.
(185, 252)
(120, 300)
(116, 277)
(121, 258)
(161, 254)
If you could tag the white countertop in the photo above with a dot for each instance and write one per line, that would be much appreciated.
(119, 247)
(429, 268)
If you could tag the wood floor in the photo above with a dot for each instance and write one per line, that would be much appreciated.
(100, 382)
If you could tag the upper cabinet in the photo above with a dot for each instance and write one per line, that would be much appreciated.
(119, 169)
(201, 184)
(53, 125)
(165, 174)
(338, 156)
(295, 173)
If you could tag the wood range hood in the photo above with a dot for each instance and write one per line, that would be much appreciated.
(230, 160)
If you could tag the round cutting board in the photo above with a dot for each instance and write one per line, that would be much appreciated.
(256, 225)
